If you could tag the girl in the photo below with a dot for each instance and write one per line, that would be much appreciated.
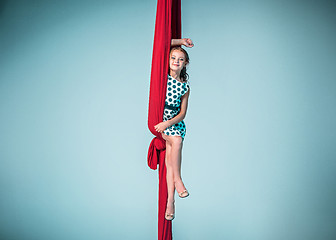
(173, 128)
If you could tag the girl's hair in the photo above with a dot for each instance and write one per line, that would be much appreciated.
(183, 75)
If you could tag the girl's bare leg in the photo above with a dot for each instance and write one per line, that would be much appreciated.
(176, 157)
(170, 179)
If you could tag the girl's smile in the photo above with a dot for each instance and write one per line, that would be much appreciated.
(176, 61)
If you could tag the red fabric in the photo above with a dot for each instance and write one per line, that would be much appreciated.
(167, 27)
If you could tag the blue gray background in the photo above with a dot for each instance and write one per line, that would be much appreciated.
(259, 154)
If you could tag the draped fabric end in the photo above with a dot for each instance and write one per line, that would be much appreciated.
(167, 27)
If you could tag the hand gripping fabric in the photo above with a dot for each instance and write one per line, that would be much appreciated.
(167, 27)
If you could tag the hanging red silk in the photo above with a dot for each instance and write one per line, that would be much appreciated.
(167, 27)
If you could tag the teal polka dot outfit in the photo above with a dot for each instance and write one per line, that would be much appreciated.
(175, 90)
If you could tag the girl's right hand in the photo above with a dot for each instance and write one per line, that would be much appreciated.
(187, 42)
(161, 127)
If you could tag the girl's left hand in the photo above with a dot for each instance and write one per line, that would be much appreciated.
(161, 127)
(187, 42)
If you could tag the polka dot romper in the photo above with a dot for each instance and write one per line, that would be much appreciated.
(175, 90)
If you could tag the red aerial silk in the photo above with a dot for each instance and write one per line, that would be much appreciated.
(167, 27)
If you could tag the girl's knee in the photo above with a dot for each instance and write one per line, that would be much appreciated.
(173, 141)
(176, 141)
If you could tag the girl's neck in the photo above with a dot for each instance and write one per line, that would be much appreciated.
(175, 75)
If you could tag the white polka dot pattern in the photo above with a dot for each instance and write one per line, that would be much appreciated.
(175, 90)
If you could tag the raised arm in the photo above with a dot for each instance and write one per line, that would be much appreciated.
(184, 41)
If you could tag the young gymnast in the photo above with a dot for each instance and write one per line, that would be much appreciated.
(173, 128)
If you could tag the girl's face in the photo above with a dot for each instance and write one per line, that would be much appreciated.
(177, 61)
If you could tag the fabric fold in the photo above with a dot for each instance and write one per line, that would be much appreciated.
(167, 26)
(156, 147)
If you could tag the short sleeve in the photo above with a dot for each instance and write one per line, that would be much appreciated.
(187, 85)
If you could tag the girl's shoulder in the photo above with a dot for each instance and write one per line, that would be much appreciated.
(187, 84)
